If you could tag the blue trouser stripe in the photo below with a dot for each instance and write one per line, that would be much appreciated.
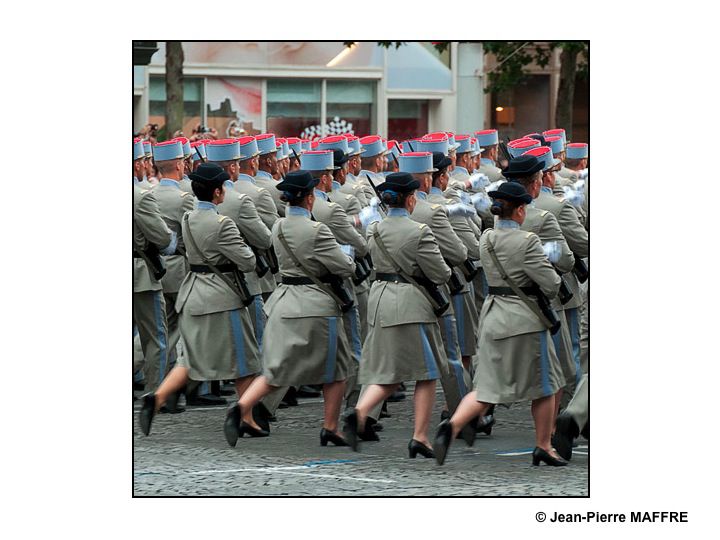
(332, 350)
(460, 321)
(430, 363)
(544, 364)
(239, 340)
(204, 389)
(355, 331)
(450, 348)
(162, 338)
(575, 340)
(484, 282)
(259, 320)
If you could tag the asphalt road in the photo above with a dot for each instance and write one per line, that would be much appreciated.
(186, 455)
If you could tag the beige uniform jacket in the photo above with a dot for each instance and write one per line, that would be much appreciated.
(173, 203)
(493, 172)
(219, 241)
(356, 190)
(414, 248)
(240, 208)
(148, 227)
(362, 181)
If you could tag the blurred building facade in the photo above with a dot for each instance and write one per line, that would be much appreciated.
(311, 89)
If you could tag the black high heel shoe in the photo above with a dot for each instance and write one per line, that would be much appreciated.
(231, 427)
(539, 455)
(327, 436)
(147, 413)
(486, 425)
(252, 431)
(350, 430)
(262, 416)
(443, 438)
(415, 447)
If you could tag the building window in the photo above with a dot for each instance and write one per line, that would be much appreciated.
(524, 109)
(350, 107)
(293, 106)
(407, 118)
(192, 97)
(234, 106)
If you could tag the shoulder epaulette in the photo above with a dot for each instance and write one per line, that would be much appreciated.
(221, 218)
(183, 193)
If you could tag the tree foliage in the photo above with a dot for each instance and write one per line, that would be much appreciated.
(514, 58)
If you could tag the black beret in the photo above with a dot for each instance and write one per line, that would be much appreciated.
(511, 191)
(401, 182)
(209, 172)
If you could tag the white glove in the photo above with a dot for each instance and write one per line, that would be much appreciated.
(348, 250)
(576, 198)
(584, 174)
(478, 180)
(464, 197)
(459, 209)
(579, 185)
(374, 202)
(369, 215)
(552, 251)
(494, 186)
(480, 201)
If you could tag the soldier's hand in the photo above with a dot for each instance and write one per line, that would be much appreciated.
(480, 201)
(552, 251)
(369, 215)
(576, 198)
(477, 181)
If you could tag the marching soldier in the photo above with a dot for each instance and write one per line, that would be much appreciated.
(488, 141)
(216, 326)
(320, 164)
(404, 340)
(240, 208)
(372, 162)
(260, 196)
(139, 168)
(269, 168)
(151, 236)
(187, 163)
(393, 152)
(173, 202)
(303, 315)
(575, 419)
(295, 148)
(349, 186)
(577, 239)
(515, 361)
(528, 170)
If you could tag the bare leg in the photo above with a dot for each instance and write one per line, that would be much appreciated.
(333, 395)
(468, 409)
(424, 401)
(242, 384)
(174, 381)
(543, 411)
(375, 393)
(258, 389)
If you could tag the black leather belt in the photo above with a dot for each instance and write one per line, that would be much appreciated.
(290, 280)
(507, 291)
(380, 276)
(203, 269)
(136, 255)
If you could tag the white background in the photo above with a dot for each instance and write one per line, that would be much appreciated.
(66, 304)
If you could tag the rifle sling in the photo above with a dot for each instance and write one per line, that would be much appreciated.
(517, 290)
(305, 270)
(212, 267)
(410, 279)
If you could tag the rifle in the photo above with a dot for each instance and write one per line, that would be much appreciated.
(377, 193)
(580, 270)
(504, 151)
(454, 282)
(564, 294)
(151, 256)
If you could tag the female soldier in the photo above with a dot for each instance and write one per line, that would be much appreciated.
(214, 322)
(305, 339)
(403, 341)
(515, 359)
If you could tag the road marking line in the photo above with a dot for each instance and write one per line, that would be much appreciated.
(356, 478)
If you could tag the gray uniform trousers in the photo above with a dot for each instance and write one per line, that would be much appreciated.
(149, 316)
(454, 378)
